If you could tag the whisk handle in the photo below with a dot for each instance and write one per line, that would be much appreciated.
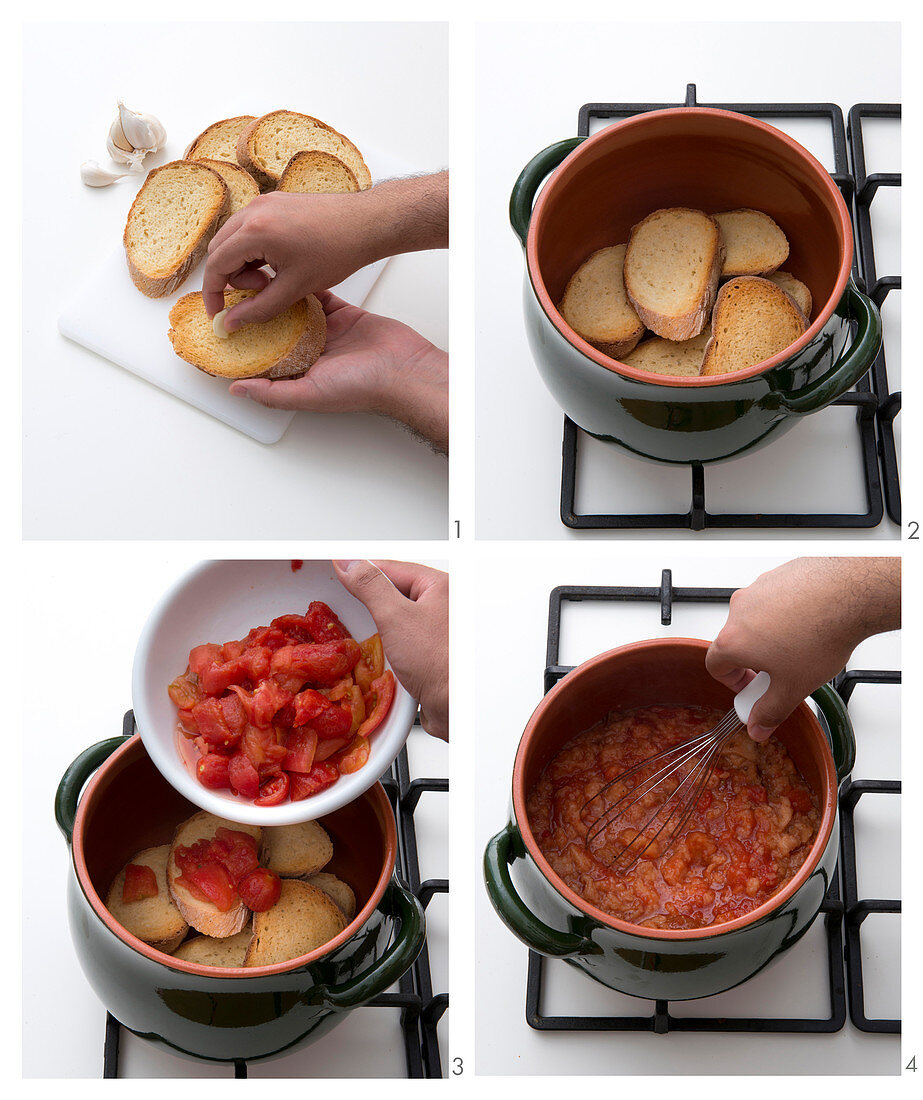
(501, 852)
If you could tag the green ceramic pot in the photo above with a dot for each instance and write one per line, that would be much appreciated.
(599, 187)
(207, 1012)
(542, 911)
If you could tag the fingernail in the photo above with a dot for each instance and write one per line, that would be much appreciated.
(345, 564)
(760, 733)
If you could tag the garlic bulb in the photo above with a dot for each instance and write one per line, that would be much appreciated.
(132, 136)
(94, 175)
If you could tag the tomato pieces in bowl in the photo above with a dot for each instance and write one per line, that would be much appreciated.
(280, 714)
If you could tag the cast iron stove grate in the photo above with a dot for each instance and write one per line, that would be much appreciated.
(420, 1008)
(868, 404)
(662, 1021)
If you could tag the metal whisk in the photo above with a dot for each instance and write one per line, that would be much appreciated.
(692, 762)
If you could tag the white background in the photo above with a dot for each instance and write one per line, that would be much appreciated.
(540, 74)
(108, 594)
(795, 985)
(108, 455)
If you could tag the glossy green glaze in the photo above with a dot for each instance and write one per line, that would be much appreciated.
(539, 915)
(242, 1017)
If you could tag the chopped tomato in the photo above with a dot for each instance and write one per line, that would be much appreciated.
(371, 664)
(184, 692)
(295, 628)
(260, 889)
(357, 708)
(756, 793)
(322, 664)
(273, 792)
(210, 721)
(210, 882)
(324, 624)
(326, 749)
(265, 636)
(301, 746)
(317, 779)
(378, 702)
(244, 777)
(202, 657)
(297, 563)
(212, 771)
(354, 757)
(236, 851)
(140, 883)
(800, 800)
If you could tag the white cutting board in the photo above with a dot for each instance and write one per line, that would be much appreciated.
(112, 318)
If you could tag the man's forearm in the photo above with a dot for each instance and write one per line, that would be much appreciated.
(408, 215)
(419, 399)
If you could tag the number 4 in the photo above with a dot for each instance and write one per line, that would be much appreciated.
(912, 1064)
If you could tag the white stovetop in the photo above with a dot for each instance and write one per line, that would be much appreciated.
(793, 986)
(108, 595)
(106, 455)
(818, 467)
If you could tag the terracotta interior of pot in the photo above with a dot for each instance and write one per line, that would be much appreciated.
(665, 673)
(134, 807)
(708, 162)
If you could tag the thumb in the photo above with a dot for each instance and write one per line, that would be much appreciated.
(370, 586)
(770, 712)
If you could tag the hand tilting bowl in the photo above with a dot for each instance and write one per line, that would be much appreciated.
(671, 964)
(219, 600)
(711, 160)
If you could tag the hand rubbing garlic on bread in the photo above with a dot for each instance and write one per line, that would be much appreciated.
(313, 907)
(652, 303)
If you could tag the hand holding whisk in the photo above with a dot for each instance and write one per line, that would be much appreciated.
(671, 791)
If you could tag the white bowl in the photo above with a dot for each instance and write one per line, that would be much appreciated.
(220, 600)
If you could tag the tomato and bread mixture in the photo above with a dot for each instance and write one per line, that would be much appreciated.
(282, 713)
(750, 830)
(256, 896)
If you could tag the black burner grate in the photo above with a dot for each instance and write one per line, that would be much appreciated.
(878, 289)
(661, 1021)
(420, 1009)
(869, 404)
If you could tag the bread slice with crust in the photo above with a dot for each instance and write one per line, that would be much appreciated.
(298, 850)
(204, 916)
(754, 319)
(794, 288)
(336, 888)
(596, 306)
(285, 347)
(242, 187)
(266, 146)
(314, 172)
(753, 243)
(303, 919)
(170, 224)
(211, 951)
(672, 266)
(219, 141)
(682, 358)
(156, 921)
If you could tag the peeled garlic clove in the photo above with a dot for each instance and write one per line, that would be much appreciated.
(94, 175)
(141, 131)
(218, 325)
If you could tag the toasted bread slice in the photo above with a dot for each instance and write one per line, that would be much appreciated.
(242, 186)
(204, 916)
(219, 141)
(156, 920)
(753, 243)
(298, 850)
(266, 146)
(596, 306)
(794, 288)
(170, 224)
(285, 347)
(337, 889)
(753, 320)
(672, 266)
(313, 172)
(210, 951)
(680, 358)
(303, 919)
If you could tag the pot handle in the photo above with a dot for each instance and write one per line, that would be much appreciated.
(385, 971)
(500, 853)
(531, 178)
(68, 793)
(851, 365)
(842, 735)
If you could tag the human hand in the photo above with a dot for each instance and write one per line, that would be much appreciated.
(800, 623)
(370, 364)
(410, 606)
